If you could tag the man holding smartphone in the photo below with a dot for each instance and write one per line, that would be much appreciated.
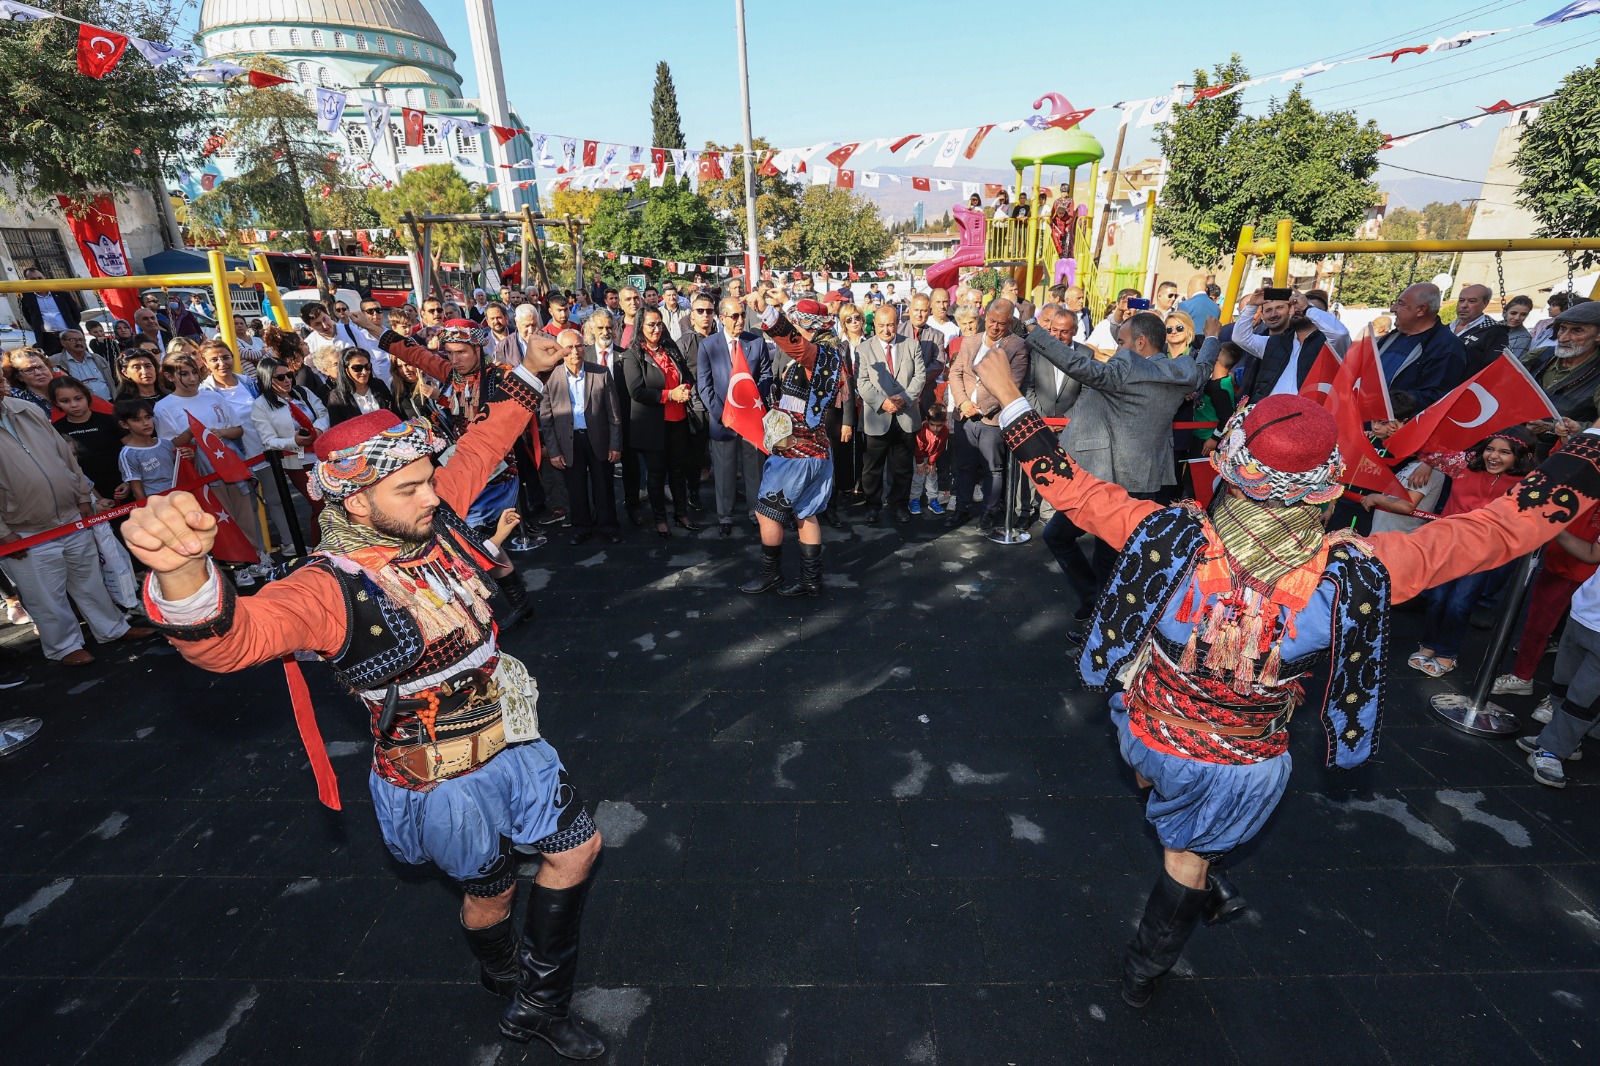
(1104, 337)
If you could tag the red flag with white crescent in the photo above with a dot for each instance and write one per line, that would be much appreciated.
(412, 119)
(303, 420)
(742, 410)
(1502, 394)
(99, 50)
(228, 466)
(1362, 467)
(1362, 374)
(231, 545)
(1319, 381)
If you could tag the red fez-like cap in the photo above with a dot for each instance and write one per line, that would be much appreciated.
(356, 431)
(810, 307)
(1290, 433)
(834, 297)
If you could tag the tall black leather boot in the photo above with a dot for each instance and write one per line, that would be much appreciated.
(770, 576)
(495, 947)
(1170, 916)
(810, 580)
(549, 957)
(1223, 901)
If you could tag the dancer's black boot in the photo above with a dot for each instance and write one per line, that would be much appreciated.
(495, 947)
(770, 576)
(1223, 901)
(810, 581)
(549, 956)
(1170, 916)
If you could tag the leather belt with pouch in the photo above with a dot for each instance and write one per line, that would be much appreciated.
(427, 763)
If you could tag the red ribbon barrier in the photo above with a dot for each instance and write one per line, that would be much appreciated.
(1058, 423)
(104, 516)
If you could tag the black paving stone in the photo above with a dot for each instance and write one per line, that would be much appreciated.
(772, 777)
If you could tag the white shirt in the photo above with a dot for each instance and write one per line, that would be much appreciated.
(948, 327)
(350, 335)
(605, 356)
(1103, 339)
(212, 408)
(50, 316)
(575, 392)
(1333, 331)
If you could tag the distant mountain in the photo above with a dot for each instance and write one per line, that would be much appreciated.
(1418, 192)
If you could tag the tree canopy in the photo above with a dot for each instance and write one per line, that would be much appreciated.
(1375, 280)
(64, 132)
(1228, 169)
(777, 203)
(667, 222)
(437, 189)
(838, 229)
(1559, 159)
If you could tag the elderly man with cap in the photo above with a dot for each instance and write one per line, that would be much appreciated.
(1214, 620)
(396, 600)
(1569, 371)
(797, 478)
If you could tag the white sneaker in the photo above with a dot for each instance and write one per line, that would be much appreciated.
(1512, 685)
(1543, 711)
(243, 578)
(1531, 746)
(1547, 769)
(15, 615)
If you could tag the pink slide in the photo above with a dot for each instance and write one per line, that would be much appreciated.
(969, 253)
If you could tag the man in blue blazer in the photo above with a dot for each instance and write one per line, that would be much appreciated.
(714, 366)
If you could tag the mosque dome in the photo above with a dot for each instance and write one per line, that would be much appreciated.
(400, 16)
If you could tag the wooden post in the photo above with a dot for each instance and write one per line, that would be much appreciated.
(1111, 190)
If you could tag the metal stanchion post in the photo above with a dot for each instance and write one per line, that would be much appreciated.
(521, 540)
(1007, 535)
(1475, 714)
(279, 478)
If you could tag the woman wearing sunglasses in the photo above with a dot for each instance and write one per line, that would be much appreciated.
(291, 430)
(357, 391)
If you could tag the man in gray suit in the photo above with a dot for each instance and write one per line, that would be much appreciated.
(1121, 431)
(889, 380)
(710, 351)
(1052, 391)
(581, 425)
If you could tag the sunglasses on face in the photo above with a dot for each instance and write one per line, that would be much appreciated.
(283, 377)
(855, 318)
(702, 310)
(1177, 329)
(360, 368)
(374, 309)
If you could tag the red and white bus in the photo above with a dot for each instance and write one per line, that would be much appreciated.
(387, 281)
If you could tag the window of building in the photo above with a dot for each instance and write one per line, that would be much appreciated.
(431, 144)
(361, 42)
(302, 73)
(316, 38)
(465, 143)
(356, 134)
(323, 78)
(255, 38)
(429, 52)
(416, 53)
(434, 100)
(273, 40)
(381, 45)
(311, 98)
(40, 248)
(413, 97)
(294, 39)
(338, 39)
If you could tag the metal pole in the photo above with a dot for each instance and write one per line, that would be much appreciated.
(1007, 535)
(275, 460)
(1475, 714)
(753, 252)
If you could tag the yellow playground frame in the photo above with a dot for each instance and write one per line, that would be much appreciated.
(1283, 246)
(218, 277)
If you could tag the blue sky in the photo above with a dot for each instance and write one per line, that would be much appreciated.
(886, 68)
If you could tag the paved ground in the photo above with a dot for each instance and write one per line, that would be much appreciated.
(885, 826)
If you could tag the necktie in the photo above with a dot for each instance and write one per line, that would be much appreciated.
(888, 355)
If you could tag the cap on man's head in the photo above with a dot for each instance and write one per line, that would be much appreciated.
(1584, 314)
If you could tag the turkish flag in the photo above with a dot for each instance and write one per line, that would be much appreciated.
(413, 123)
(99, 50)
(903, 141)
(742, 409)
(590, 150)
(1362, 375)
(231, 545)
(1319, 382)
(502, 134)
(1071, 118)
(977, 139)
(1204, 476)
(222, 458)
(711, 167)
(767, 169)
(841, 154)
(658, 161)
(1362, 467)
(920, 184)
(1502, 394)
(846, 179)
(99, 236)
(303, 420)
(260, 79)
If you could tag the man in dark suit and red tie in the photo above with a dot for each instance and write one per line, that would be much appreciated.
(714, 363)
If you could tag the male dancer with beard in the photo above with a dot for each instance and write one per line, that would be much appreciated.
(1213, 620)
(396, 601)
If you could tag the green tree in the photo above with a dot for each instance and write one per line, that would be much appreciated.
(1447, 221)
(437, 189)
(1559, 160)
(777, 203)
(666, 129)
(839, 229)
(283, 161)
(665, 222)
(62, 132)
(1228, 170)
(1375, 280)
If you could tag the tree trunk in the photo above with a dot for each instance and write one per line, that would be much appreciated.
(319, 268)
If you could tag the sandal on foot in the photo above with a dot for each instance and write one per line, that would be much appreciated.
(1436, 668)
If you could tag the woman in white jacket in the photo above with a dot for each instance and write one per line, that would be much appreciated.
(280, 415)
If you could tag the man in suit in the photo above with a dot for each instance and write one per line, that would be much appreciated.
(1121, 431)
(1482, 337)
(1052, 391)
(49, 314)
(931, 340)
(1282, 359)
(889, 380)
(710, 352)
(581, 424)
(980, 451)
(1420, 355)
(604, 352)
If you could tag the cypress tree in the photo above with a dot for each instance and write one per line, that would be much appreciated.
(666, 129)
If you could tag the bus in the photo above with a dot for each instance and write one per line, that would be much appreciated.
(387, 281)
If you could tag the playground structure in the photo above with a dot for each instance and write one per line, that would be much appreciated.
(1283, 246)
(219, 278)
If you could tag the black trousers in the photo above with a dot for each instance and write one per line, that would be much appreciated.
(669, 464)
(632, 460)
(844, 471)
(588, 477)
(895, 447)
